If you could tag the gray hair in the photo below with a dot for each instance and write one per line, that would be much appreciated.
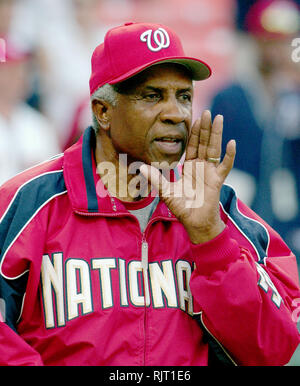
(105, 93)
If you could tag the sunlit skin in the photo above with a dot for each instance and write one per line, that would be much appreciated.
(152, 122)
(159, 106)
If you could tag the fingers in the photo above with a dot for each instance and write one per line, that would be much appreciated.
(213, 149)
(227, 164)
(199, 137)
(209, 135)
(206, 137)
(205, 132)
(157, 180)
(192, 147)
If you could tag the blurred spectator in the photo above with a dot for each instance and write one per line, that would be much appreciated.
(66, 50)
(82, 118)
(243, 7)
(26, 138)
(261, 109)
(63, 34)
(6, 11)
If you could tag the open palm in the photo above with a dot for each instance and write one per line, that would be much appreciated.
(194, 198)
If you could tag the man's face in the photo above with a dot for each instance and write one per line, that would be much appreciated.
(152, 119)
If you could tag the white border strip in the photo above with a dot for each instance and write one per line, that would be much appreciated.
(22, 306)
(39, 164)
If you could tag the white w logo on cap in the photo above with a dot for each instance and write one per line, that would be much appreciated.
(160, 37)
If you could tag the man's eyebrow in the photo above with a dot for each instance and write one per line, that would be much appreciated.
(186, 89)
(160, 88)
(153, 88)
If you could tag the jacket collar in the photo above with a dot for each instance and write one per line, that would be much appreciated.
(84, 185)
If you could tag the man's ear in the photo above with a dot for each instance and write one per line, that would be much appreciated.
(101, 110)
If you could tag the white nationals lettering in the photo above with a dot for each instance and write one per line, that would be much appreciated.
(69, 287)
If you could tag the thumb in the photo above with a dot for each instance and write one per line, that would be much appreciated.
(156, 179)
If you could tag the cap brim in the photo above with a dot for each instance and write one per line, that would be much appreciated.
(199, 69)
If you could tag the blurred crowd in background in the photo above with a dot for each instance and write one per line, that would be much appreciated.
(44, 94)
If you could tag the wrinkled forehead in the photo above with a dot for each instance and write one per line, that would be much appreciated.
(155, 73)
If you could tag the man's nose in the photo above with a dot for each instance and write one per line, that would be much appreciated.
(172, 111)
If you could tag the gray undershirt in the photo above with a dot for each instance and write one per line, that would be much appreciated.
(144, 214)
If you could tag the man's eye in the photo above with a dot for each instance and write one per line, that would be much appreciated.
(151, 97)
(186, 97)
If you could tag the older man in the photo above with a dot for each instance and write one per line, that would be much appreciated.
(98, 269)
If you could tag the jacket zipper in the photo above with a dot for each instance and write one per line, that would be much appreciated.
(144, 262)
(145, 265)
(144, 255)
(144, 259)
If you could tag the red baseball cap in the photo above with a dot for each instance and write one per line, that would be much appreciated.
(132, 47)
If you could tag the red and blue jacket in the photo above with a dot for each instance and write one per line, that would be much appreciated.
(73, 290)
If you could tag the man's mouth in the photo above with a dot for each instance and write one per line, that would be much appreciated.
(168, 139)
(169, 145)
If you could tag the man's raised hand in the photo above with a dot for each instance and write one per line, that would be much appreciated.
(194, 198)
